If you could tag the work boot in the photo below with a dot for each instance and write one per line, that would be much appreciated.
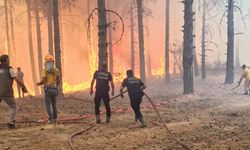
(246, 93)
(108, 120)
(98, 119)
(143, 125)
(11, 125)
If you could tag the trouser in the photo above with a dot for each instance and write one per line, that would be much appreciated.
(135, 103)
(100, 95)
(247, 85)
(13, 106)
(50, 104)
(20, 91)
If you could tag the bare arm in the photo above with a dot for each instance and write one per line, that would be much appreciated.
(41, 82)
(121, 91)
(241, 78)
(112, 87)
(91, 86)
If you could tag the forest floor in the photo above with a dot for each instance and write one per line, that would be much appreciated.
(215, 117)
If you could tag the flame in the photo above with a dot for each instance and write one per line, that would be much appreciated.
(67, 88)
(159, 72)
(120, 71)
(92, 52)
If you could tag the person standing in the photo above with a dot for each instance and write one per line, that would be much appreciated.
(102, 78)
(7, 75)
(50, 80)
(135, 91)
(245, 75)
(20, 76)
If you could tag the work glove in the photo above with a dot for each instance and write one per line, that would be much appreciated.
(91, 92)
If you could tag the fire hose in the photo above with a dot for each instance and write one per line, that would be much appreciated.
(164, 124)
(92, 125)
(158, 114)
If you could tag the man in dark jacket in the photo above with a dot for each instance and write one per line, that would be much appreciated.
(135, 87)
(102, 78)
(7, 75)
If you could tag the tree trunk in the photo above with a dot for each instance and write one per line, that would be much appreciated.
(203, 43)
(141, 40)
(188, 48)
(132, 35)
(32, 58)
(102, 33)
(57, 44)
(167, 73)
(39, 38)
(110, 43)
(230, 44)
(110, 51)
(7, 28)
(196, 67)
(62, 42)
(50, 27)
(12, 29)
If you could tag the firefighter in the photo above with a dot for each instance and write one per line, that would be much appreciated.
(20, 76)
(135, 91)
(50, 80)
(102, 78)
(245, 75)
(7, 75)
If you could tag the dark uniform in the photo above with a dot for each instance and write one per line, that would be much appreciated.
(102, 78)
(134, 86)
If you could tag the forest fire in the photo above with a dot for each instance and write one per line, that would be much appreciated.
(124, 74)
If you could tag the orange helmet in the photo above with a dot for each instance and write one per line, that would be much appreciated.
(49, 58)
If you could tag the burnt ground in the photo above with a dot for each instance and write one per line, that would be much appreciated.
(215, 117)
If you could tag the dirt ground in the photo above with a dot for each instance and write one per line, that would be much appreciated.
(215, 117)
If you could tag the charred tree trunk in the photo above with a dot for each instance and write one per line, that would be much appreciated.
(141, 40)
(32, 58)
(7, 27)
(110, 51)
(196, 67)
(102, 33)
(12, 29)
(50, 27)
(57, 43)
(167, 73)
(230, 44)
(188, 48)
(39, 38)
(62, 42)
(132, 35)
(111, 70)
(203, 43)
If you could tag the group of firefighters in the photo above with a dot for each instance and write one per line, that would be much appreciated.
(50, 81)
